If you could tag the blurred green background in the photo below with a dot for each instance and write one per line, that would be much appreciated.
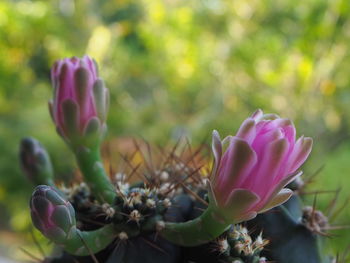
(174, 68)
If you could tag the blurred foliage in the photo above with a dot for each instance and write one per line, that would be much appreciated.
(179, 68)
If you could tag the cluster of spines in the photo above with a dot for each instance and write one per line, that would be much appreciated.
(238, 246)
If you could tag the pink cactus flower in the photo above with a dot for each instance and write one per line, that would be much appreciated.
(250, 176)
(80, 99)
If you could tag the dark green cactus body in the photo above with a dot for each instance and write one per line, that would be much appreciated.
(65, 257)
(290, 240)
(145, 249)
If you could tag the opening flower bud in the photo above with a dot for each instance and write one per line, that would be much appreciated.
(249, 176)
(80, 102)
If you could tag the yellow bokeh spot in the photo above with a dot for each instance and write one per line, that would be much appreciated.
(4, 17)
(332, 120)
(243, 9)
(17, 57)
(20, 220)
(184, 16)
(305, 69)
(99, 42)
(279, 102)
(185, 68)
(156, 11)
(327, 87)
(35, 9)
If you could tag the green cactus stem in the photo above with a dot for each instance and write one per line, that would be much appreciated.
(91, 165)
(214, 221)
(83, 243)
(200, 230)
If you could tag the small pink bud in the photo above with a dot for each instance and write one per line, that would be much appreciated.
(35, 161)
(248, 178)
(51, 214)
(80, 102)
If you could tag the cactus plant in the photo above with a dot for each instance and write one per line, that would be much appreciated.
(179, 211)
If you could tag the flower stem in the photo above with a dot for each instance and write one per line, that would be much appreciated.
(83, 243)
(91, 165)
(203, 229)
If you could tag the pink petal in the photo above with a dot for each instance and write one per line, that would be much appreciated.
(91, 66)
(237, 162)
(277, 200)
(290, 132)
(226, 141)
(278, 186)
(246, 217)
(257, 115)
(276, 124)
(270, 116)
(268, 167)
(300, 153)
(260, 127)
(261, 140)
(217, 151)
(247, 130)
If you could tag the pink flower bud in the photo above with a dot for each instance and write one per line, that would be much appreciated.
(51, 214)
(35, 161)
(263, 157)
(80, 101)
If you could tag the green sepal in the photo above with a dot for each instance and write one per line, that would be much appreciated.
(101, 97)
(237, 204)
(55, 198)
(41, 206)
(56, 234)
(96, 67)
(81, 81)
(61, 78)
(62, 218)
(92, 130)
(71, 113)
